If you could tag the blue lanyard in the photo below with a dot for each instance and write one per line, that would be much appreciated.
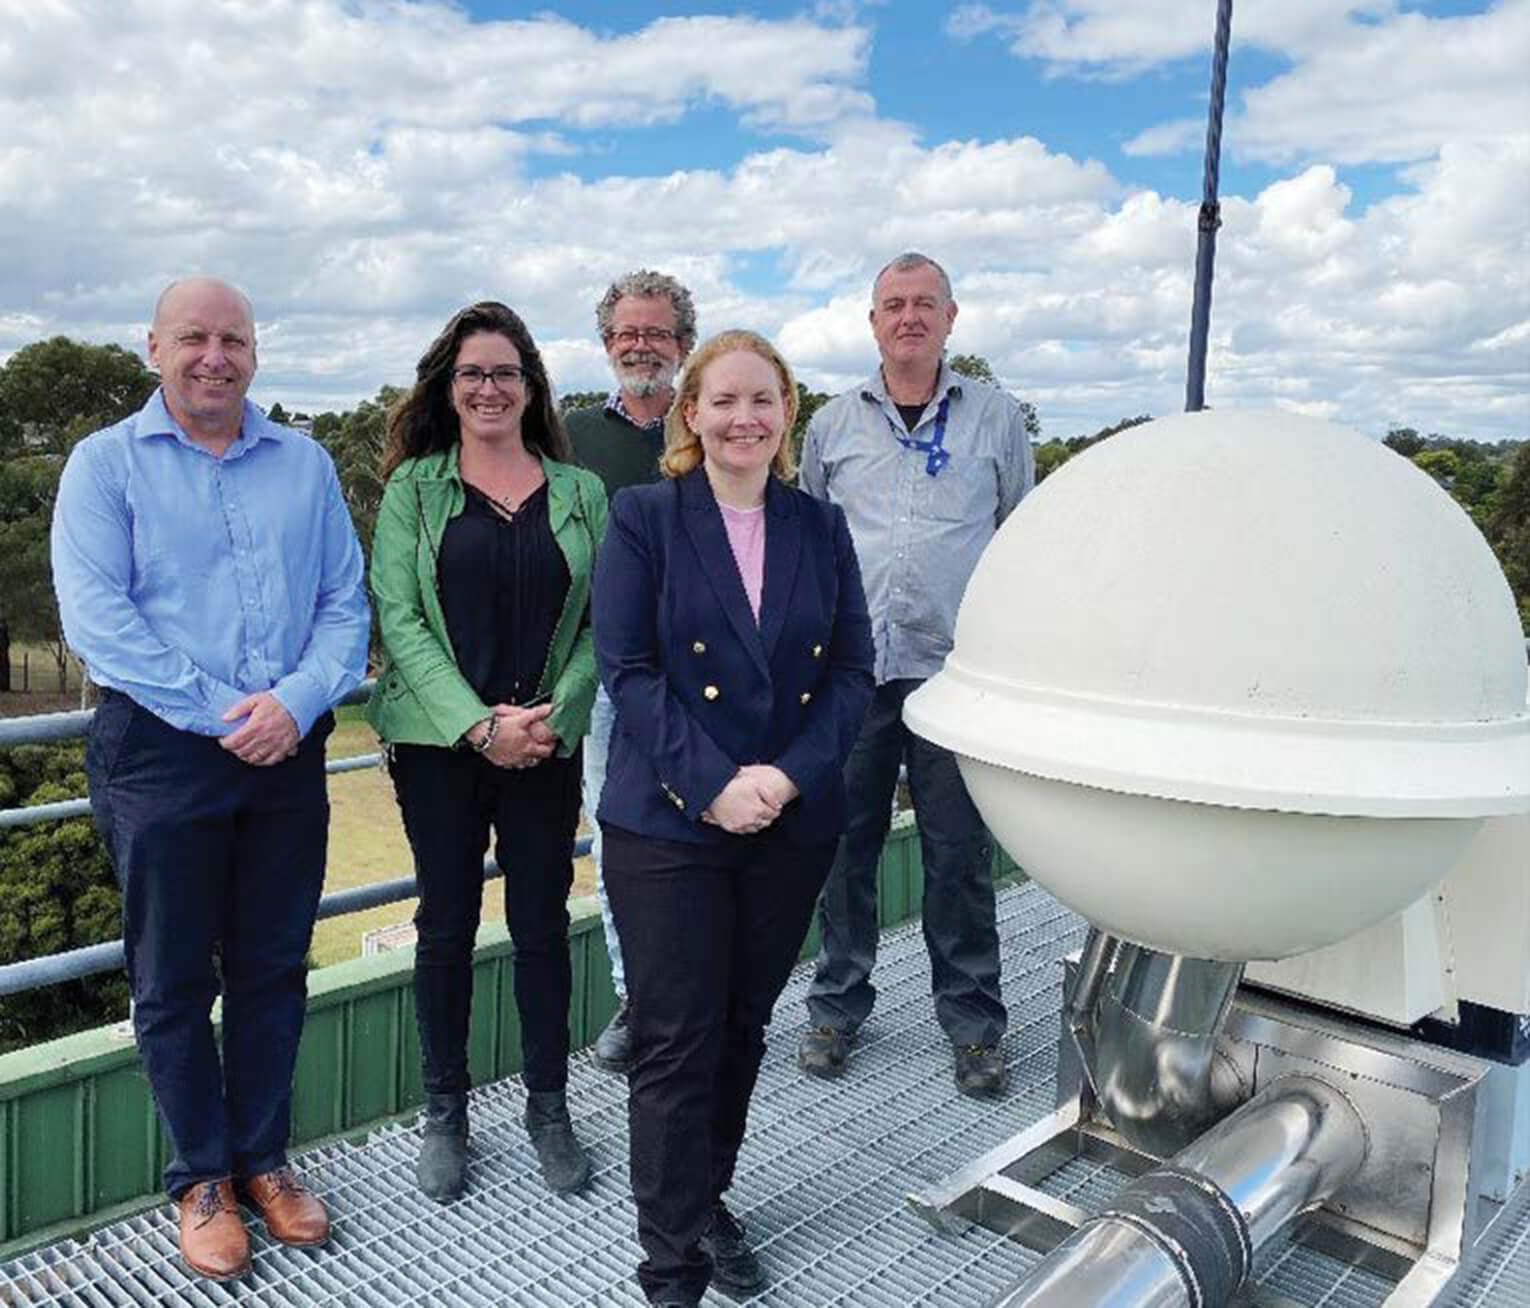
(939, 456)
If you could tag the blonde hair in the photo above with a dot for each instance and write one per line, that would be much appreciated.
(682, 447)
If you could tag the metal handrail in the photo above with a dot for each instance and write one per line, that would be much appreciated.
(107, 956)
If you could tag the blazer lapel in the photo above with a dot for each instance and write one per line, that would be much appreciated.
(704, 525)
(783, 551)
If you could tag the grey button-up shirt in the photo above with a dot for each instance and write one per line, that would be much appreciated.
(918, 537)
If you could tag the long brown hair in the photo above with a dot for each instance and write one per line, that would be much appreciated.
(682, 447)
(423, 420)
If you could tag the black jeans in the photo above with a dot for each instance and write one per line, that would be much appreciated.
(959, 925)
(213, 856)
(450, 799)
(709, 935)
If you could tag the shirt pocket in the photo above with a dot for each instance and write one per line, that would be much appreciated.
(965, 490)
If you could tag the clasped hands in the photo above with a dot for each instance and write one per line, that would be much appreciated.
(268, 734)
(752, 800)
(521, 740)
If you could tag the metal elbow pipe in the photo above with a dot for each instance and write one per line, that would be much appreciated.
(1157, 1074)
(1185, 1235)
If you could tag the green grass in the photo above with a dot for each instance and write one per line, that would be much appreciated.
(367, 844)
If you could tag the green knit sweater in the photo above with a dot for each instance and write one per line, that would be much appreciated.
(612, 448)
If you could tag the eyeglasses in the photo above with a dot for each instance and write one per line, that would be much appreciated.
(630, 336)
(503, 377)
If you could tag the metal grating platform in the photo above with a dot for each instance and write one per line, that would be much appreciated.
(821, 1185)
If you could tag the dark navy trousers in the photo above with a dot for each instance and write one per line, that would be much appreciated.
(959, 922)
(220, 865)
(709, 936)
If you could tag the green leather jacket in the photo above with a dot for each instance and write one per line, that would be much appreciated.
(421, 698)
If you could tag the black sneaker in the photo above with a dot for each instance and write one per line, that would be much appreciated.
(979, 1069)
(613, 1047)
(823, 1051)
(735, 1268)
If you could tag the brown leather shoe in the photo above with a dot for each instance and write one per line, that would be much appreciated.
(213, 1239)
(292, 1212)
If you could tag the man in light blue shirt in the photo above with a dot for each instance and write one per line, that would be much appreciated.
(209, 578)
(926, 464)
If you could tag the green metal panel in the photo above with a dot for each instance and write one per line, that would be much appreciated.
(318, 1085)
(7, 1169)
(372, 1049)
(485, 1022)
(411, 1074)
(509, 1035)
(49, 1155)
(813, 940)
(599, 994)
(579, 966)
(124, 1138)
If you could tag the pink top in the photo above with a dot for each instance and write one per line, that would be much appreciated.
(746, 537)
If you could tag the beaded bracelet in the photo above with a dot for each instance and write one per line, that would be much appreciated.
(481, 745)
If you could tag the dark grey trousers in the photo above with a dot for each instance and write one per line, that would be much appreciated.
(959, 927)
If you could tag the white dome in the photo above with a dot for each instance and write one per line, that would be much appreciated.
(1250, 610)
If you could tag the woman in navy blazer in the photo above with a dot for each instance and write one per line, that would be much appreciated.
(731, 631)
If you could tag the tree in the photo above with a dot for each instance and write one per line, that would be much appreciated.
(56, 391)
(52, 393)
(355, 442)
(808, 403)
(974, 366)
(278, 414)
(1508, 529)
(28, 487)
(1471, 471)
(1405, 440)
(56, 893)
(1051, 456)
(571, 400)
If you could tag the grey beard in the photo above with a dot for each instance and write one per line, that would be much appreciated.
(639, 384)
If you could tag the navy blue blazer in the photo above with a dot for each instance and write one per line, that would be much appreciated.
(700, 689)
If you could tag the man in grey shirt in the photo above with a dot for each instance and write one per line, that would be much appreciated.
(926, 465)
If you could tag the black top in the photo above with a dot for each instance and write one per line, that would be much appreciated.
(503, 582)
(912, 413)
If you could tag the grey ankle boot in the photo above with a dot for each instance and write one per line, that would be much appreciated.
(565, 1165)
(442, 1165)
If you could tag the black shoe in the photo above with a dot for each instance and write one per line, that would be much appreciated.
(441, 1168)
(823, 1051)
(735, 1268)
(979, 1069)
(565, 1165)
(613, 1047)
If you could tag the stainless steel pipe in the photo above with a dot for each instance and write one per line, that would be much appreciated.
(1157, 1073)
(1184, 1236)
(1283, 1154)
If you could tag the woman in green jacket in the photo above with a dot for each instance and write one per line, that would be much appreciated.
(486, 537)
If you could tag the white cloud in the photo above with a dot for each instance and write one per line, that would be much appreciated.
(1396, 91)
(1367, 82)
(1106, 38)
(365, 170)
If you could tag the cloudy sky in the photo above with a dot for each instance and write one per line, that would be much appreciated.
(365, 167)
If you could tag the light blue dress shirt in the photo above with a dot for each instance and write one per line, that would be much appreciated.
(918, 537)
(188, 581)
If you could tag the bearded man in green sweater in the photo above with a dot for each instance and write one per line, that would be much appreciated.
(647, 323)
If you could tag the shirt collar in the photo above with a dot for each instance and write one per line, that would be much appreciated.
(154, 420)
(946, 383)
(614, 404)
